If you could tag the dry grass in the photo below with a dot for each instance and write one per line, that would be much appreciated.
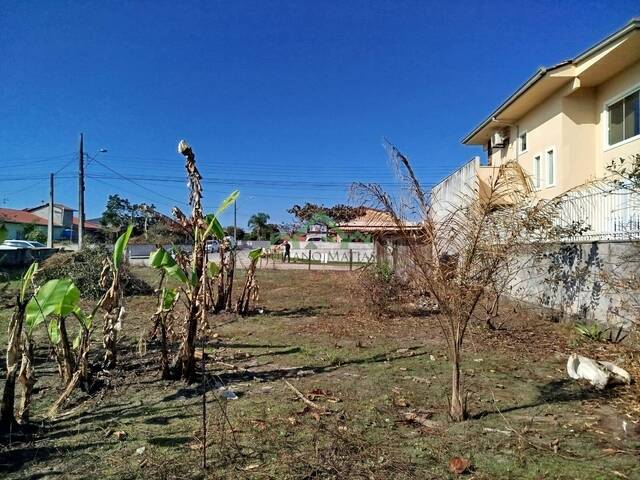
(381, 383)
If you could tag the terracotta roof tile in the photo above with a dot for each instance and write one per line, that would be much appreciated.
(10, 215)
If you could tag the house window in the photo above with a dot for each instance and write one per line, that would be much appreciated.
(551, 167)
(537, 171)
(624, 118)
(522, 142)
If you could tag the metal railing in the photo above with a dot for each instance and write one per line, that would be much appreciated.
(612, 214)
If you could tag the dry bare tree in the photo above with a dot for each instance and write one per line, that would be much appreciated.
(457, 255)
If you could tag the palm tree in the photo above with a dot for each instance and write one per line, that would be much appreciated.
(258, 222)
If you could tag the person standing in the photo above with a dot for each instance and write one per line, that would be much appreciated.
(287, 252)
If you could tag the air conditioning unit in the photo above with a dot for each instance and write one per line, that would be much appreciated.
(498, 139)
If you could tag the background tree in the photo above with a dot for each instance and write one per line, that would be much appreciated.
(240, 233)
(339, 213)
(258, 224)
(120, 212)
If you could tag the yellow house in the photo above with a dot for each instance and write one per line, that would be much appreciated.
(567, 122)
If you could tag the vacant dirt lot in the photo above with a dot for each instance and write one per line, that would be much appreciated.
(379, 386)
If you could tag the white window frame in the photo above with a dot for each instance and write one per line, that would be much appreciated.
(538, 179)
(519, 140)
(545, 164)
(605, 125)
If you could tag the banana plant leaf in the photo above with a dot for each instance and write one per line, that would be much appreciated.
(121, 246)
(213, 269)
(255, 254)
(169, 298)
(214, 228)
(57, 297)
(54, 331)
(227, 202)
(26, 280)
(161, 259)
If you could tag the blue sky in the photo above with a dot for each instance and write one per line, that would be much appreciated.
(288, 101)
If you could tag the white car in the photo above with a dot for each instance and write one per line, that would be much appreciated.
(23, 244)
(316, 238)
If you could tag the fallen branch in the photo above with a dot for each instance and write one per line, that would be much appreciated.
(302, 397)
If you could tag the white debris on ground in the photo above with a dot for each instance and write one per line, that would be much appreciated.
(599, 373)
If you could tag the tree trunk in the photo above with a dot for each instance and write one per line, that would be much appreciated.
(166, 374)
(113, 323)
(242, 306)
(83, 359)
(7, 416)
(68, 367)
(457, 409)
(221, 300)
(110, 329)
(229, 283)
(186, 355)
(27, 379)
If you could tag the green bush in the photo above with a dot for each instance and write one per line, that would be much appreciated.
(84, 268)
(36, 236)
(33, 233)
(379, 289)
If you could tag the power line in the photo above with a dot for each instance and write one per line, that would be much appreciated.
(38, 159)
(123, 177)
(253, 182)
(119, 188)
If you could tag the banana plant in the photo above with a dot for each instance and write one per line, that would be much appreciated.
(14, 347)
(54, 302)
(201, 228)
(113, 301)
(195, 286)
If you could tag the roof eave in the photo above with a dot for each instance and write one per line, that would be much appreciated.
(491, 118)
(632, 25)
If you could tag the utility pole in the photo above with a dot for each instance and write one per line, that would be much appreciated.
(80, 193)
(50, 214)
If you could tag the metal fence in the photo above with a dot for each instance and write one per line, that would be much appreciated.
(319, 259)
(612, 214)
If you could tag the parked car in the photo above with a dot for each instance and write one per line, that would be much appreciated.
(212, 246)
(316, 238)
(23, 244)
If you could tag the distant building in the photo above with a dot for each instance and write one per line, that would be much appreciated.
(391, 239)
(16, 220)
(65, 225)
(62, 218)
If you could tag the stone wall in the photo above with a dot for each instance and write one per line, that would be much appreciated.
(582, 280)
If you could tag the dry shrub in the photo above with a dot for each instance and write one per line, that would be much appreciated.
(84, 268)
(378, 290)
